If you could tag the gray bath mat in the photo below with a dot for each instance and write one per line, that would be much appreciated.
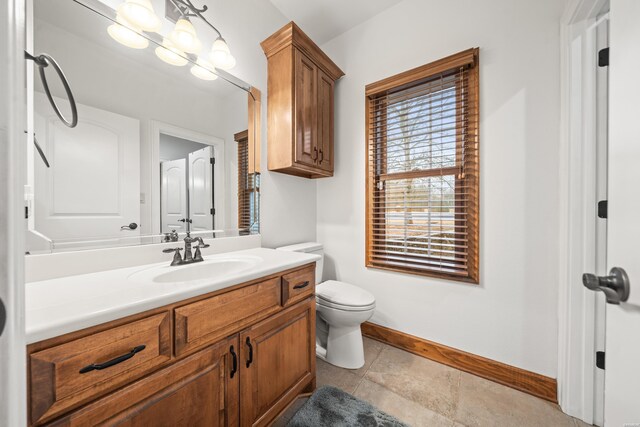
(330, 406)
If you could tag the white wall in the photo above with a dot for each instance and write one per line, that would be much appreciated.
(511, 316)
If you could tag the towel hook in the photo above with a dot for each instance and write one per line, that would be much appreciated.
(42, 61)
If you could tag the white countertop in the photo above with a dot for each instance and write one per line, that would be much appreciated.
(67, 304)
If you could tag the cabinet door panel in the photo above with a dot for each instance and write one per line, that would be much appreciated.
(196, 391)
(325, 121)
(277, 362)
(306, 120)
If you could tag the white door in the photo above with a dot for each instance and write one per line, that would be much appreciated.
(201, 209)
(173, 195)
(622, 374)
(92, 188)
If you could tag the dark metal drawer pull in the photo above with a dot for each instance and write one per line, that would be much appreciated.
(248, 342)
(234, 367)
(301, 285)
(119, 359)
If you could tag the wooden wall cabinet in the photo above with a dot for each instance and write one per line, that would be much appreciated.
(301, 80)
(236, 357)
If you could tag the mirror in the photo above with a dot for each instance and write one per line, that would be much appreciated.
(162, 146)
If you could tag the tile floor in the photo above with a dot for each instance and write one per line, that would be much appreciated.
(421, 392)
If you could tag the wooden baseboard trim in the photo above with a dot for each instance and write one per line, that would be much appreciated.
(519, 379)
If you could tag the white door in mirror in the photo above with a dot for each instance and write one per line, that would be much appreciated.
(92, 189)
(174, 195)
(201, 189)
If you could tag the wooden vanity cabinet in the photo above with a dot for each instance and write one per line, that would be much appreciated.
(301, 80)
(234, 357)
(278, 363)
(196, 391)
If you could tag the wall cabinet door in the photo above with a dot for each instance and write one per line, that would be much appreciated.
(325, 121)
(305, 90)
(196, 391)
(277, 362)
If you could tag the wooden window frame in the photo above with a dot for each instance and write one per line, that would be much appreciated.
(375, 169)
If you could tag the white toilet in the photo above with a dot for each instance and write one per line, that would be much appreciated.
(340, 310)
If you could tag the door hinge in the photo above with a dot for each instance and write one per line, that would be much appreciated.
(26, 212)
(213, 211)
(603, 57)
(603, 207)
(600, 359)
(213, 160)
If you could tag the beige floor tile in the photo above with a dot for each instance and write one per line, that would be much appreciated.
(580, 423)
(430, 384)
(404, 409)
(372, 349)
(485, 403)
(344, 379)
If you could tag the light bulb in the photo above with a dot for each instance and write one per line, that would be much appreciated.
(219, 53)
(141, 14)
(204, 70)
(123, 33)
(170, 54)
(184, 37)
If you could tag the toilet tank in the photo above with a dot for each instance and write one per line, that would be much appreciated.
(308, 247)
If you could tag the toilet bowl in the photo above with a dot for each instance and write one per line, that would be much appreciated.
(340, 310)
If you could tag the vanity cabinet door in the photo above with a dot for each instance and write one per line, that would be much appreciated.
(200, 390)
(277, 362)
(306, 119)
(325, 121)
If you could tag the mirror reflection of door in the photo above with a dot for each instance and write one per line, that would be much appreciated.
(92, 188)
(201, 195)
(186, 189)
(174, 195)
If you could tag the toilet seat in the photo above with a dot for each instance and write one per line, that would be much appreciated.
(344, 296)
(320, 301)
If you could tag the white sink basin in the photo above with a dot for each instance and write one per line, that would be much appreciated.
(206, 270)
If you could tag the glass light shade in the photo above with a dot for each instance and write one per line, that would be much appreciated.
(123, 33)
(228, 63)
(184, 37)
(141, 14)
(170, 54)
(204, 70)
(219, 53)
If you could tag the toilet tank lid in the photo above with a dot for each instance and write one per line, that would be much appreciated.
(302, 247)
(344, 294)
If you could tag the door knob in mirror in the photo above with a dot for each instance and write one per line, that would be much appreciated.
(131, 226)
(615, 286)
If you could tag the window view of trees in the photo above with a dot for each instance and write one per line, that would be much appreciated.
(421, 139)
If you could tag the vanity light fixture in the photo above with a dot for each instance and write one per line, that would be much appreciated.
(182, 44)
(220, 54)
(204, 70)
(123, 33)
(140, 14)
(170, 54)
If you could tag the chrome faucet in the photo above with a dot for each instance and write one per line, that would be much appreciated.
(189, 257)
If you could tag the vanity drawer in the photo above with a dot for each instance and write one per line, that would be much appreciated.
(298, 285)
(67, 375)
(207, 321)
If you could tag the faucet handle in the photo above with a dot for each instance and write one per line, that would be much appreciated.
(169, 250)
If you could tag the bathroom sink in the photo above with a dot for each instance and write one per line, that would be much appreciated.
(209, 269)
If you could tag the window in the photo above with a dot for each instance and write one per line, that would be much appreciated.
(248, 184)
(422, 175)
